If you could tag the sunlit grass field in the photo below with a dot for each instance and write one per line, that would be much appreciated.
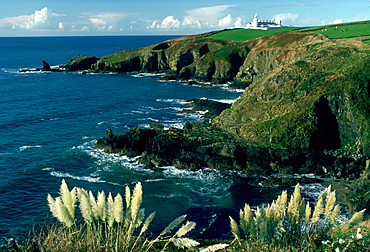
(347, 31)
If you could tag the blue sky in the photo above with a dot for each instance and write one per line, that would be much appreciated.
(174, 17)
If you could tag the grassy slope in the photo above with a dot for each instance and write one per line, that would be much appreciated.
(347, 31)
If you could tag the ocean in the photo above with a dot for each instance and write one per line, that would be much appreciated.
(49, 122)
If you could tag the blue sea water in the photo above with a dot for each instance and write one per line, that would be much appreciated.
(50, 121)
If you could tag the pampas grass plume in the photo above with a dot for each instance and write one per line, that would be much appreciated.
(356, 218)
(100, 210)
(234, 228)
(319, 208)
(185, 229)
(136, 200)
(118, 208)
(246, 218)
(334, 215)
(110, 210)
(330, 203)
(173, 225)
(68, 198)
(214, 248)
(52, 206)
(63, 213)
(184, 242)
(127, 197)
(85, 206)
(147, 223)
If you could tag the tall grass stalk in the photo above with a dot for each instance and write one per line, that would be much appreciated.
(106, 224)
(290, 223)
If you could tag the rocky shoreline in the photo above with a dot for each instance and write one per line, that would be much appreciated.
(304, 109)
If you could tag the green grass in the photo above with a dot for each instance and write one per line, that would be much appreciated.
(347, 31)
(247, 34)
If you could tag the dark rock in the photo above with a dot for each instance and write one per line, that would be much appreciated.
(79, 63)
(210, 107)
(46, 66)
(131, 144)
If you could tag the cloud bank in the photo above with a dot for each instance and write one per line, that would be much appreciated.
(205, 18)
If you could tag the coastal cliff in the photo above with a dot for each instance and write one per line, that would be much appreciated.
(305, 107)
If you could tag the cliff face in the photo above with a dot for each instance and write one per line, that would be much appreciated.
(182, 58)
(308, 92)
(304, 91)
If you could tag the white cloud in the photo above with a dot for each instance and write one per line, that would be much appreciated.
(286, 18)
(169, 23)
(239, 22)
(41, 19)
(225, 22)
(61, 26)
(202, 18)
(107, 20)
(208, 14)
(338, 21)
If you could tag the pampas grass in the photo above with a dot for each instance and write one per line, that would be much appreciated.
(107, 224)
(288, 223)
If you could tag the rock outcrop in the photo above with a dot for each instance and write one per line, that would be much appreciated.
(80, 63)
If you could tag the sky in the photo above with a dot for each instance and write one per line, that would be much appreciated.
(166, 17)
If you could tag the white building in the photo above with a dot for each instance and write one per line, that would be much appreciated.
(263, 24)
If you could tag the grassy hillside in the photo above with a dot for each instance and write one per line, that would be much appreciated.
(346, 31)
(248, 34)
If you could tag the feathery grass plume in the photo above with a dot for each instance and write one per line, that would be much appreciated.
(94, 205)
(127, 197)
(173, 225)
(356, 218)
(63, 214)
(308, 213)
(139, 218)
(334, 215)
(185, 229)
(246, 219)
(85, 206)
(330, 204)
(234, 228)
(110, 210)
(118, 208)
(319, 208)
(146, 223)
(294, 206)
(68, 198)
(214, 248)
(136, 200)
(52, 206)
(184, 242)
(281, 204)
(100, 209)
